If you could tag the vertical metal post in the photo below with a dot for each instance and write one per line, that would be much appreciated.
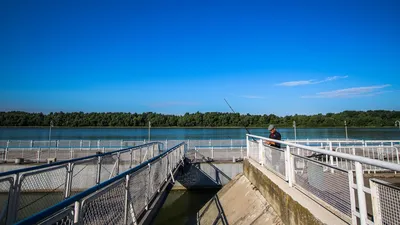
(38, 155)
(126, 205)
(80, 145)
(6, 153)
(68, 183)
(260, 152)
(117, 162)
(31, 143)
(361, 194)
(331, 157)
(77, 210)
(13, 201)
(345, 128)
(247, 147)
(375, 203)
(149, 129)
(98, 170)
(295, 135)
(212, 152)
(352, 198)
(51, 125)
(288, 166)
(148, 189)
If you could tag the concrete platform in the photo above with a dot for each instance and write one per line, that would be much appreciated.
(238, 202)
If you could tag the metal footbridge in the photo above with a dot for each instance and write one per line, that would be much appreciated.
(120, 187)
(108, 188)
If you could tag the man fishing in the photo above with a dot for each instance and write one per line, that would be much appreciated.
(274, 134)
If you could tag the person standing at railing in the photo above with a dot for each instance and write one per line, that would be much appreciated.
(273, 134)
(275, 154)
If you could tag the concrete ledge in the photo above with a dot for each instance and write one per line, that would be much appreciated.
(292, 206)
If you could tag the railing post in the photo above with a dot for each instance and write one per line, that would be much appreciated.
(331, 157)
(117, 162)
(69, 181)
(148, 189)
(352, 198)
(131, 159)
(98, 170)
(247, 147)
(361, 194)
(38, 155)
(375, 203)
(80, 145)
(212, 152)
(288, 166)
(13, 201)
(126, 205)
(260, 152)
(77, 209)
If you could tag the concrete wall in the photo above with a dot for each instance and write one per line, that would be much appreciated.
(292, 206)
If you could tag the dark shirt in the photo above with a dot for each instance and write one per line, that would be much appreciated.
(276, 136)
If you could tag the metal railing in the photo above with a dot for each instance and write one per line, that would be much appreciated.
(122, 199)
(217, 149)
(318, 173)
(27, 191)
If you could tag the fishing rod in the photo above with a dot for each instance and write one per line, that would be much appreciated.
(235, 112)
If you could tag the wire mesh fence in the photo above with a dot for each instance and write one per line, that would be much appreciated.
(109, 167)
(5, 190)
(106, 206)
(41, 186)
(40, 190)
(64, 217)
(118, 200)
(382, 153)
(329, 184)
(386, 198)
(84, 175)
(138, 186)
(274, 159)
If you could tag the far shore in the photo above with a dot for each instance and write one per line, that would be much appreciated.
(196, 127)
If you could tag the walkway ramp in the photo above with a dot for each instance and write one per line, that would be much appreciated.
(238, 202)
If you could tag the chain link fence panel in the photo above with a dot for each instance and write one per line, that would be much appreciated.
(105, 206)
(40, 190)
(329, 184)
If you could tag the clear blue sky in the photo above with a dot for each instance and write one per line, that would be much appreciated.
(281, 57)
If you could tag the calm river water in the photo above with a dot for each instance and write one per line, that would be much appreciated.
(190, 133)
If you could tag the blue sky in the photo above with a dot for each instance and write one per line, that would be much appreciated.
(281, 57)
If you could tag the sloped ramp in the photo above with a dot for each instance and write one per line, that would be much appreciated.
(238, 202)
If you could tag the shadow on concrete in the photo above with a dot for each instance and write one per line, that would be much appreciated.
(201, 175)
(221, 217)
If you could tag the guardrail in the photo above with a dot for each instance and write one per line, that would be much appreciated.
(327, 182)
(27, 191)
(120, 200)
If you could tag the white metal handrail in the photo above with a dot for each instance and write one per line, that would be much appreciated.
(333, 186)
(63, 179)
(120, 200)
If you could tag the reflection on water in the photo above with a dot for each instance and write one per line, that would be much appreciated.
(181, 207)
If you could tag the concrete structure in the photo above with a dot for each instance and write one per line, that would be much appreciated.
(238, 202)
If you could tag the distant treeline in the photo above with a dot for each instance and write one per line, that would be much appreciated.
(377, 118)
